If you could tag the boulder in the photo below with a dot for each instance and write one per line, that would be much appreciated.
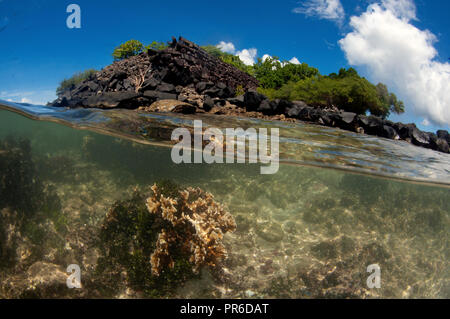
(174, 106)
(282, 106)
(156, 95)
(252, 99)
(442, 145)
(265, 107)
(405, 131)
(420, 138)
(110, 99)
(293, 110)
(238, 101)
(150, 84)
(166, 87)
(347, 117)
(202, 86)
(389, 132)
(208, 104)
(443, 134)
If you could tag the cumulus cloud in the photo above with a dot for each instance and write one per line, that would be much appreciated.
(405, 9)
(323, 9)
(399, 54)
(227, 47)
(248, 56)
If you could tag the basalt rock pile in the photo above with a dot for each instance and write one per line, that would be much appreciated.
(181, 70)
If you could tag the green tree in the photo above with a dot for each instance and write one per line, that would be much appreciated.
(128, 49)
(390, 100)
(273, 74)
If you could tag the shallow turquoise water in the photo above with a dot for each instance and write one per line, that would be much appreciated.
(339, 203)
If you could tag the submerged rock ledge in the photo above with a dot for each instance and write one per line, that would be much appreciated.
(185, 79)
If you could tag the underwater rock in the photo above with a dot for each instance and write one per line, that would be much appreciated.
(325, 250)
(41, 280)
(194, 224)
(269, 231)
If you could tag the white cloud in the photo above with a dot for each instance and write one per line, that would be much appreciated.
(323, 9)
(247, 56)
(425, 122)
(404, 9)
(294, 60)
(227, 47)
(265, 57)
(402, 56)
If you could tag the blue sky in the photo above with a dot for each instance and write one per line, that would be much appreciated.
(38, 50)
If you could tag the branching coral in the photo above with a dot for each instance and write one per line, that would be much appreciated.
(193, 222)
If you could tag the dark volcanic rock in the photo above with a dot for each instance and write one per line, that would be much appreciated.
(266, 107)
(110, 99)
(208, 104)
(348, 117)
(166, 87)
(202, 86)
(156, 95)
(294, 108)
(443, 135)
(253, 99)
(238, 101)
(389, 132)
(442, 145)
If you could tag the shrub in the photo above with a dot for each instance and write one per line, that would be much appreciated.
(70, 83)
(155, 45)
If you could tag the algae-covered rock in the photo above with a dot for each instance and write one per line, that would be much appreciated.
(272, 232)
(155, 244)
(41, 280)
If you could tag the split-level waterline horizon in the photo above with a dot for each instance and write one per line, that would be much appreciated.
(338, 203)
